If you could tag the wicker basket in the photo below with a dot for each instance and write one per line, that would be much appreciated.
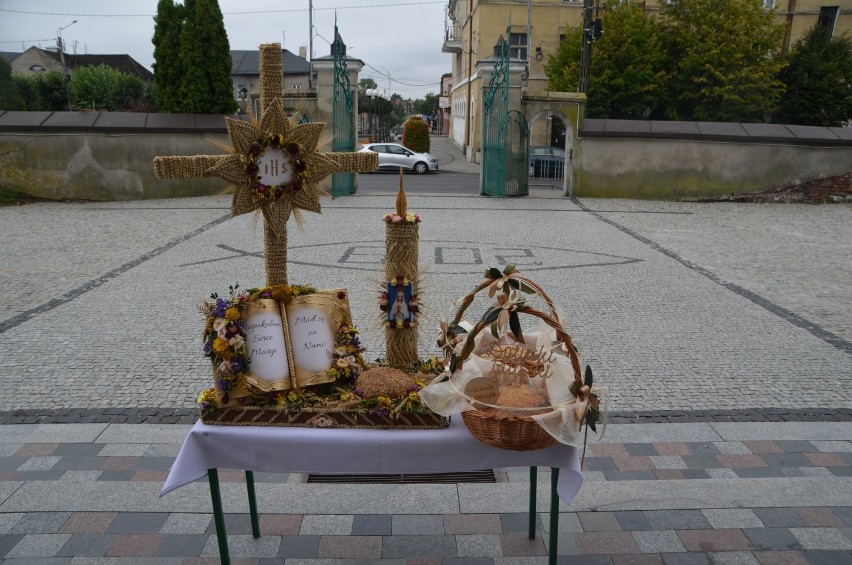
(518, 433)
(514, 432)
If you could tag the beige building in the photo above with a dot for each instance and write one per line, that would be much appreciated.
(537, 26)
(35, 60)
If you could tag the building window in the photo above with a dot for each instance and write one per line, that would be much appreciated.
(827, 19)
(296, 86)
(768, 4)
(518, 46)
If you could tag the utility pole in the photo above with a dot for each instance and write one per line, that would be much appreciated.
(586, 48)
(592, 31)
(61, 47)
(311, 43)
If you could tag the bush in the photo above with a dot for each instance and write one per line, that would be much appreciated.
(415, 135)
(104, 88)
(10, 97)
(44, 92)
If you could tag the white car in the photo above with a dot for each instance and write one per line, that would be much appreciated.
(392, 156)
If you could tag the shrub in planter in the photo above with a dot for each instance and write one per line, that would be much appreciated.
(415, 135)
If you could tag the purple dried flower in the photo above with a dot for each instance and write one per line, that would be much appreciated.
(221, 306)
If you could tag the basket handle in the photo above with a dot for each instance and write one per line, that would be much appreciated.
(550, 320)
(468, 299)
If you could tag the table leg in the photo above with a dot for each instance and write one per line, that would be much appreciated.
(554, 516)
(533, 487)
(255, 525)
(218, 516)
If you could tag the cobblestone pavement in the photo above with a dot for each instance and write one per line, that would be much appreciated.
(662, 494)
(98, 324)
(796, 257)
(669, 316)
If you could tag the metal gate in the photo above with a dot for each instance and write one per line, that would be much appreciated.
(343, 123)
(505, 143)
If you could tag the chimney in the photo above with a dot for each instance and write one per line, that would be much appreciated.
(303, 51)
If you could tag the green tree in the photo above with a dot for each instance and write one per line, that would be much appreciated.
(211, 34)
(44, 92)
(722, 60)
(818, 80)
(628, 64)
(167, 67)
(193, 79)
(563, 67)
(10, 97)
(427, 105)
(193, 58)
(104, 88)
(366, 83)
(628, 61)
(206, 86)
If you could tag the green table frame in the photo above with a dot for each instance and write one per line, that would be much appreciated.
(222, 536)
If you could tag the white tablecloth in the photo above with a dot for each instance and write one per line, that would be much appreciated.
(354, 451)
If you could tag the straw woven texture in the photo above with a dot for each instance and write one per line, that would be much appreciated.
(185, 167)
(402, 243)
(271, 74)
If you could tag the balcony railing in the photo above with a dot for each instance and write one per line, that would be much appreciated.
(452, 39)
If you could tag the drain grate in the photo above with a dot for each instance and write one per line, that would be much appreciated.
(484, 476)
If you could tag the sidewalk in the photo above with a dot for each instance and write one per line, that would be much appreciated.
(653, 493)
(723, 331)
(450, 158)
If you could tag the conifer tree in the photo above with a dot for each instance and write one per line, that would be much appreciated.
(167, 65)
(193, 79)
(211, 34)
(193, 68)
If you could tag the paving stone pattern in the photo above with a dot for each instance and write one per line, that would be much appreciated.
(815, 535)
(673, 305)
(722, 331)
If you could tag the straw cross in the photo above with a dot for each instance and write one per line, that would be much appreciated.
(274, 165)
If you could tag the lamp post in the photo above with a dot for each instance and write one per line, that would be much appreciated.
(371, 94)
(62, 60)
(385, 114)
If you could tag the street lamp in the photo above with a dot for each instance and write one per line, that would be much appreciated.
(371, 94)
(381, 112)
(386, 116)
(62, 60)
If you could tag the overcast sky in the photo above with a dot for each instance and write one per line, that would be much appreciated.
(400, 39)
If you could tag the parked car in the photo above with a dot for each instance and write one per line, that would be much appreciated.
(547, 162)
(392, 156)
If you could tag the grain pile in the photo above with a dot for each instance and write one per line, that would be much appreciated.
(384, 381)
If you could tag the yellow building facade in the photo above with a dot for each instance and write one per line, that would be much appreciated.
(536, 28)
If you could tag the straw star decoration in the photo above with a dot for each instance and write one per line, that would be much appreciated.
(275, 166)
